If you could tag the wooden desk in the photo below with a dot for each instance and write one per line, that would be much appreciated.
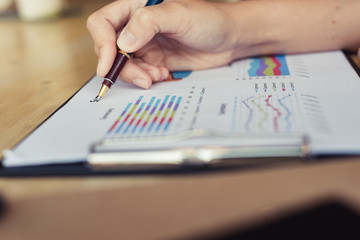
(42, 65)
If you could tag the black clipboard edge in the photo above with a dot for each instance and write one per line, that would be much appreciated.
(83, 170)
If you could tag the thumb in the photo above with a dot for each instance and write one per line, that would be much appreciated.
(146, 22)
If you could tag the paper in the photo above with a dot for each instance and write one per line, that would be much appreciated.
(315, 94)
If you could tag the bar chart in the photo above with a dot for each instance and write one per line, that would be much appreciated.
(146, 116)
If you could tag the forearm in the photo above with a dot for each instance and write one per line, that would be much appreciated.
(284, 26)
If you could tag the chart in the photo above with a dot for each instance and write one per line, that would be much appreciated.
(146, 117)
(268, 66)
(313, 95)
(270, 113)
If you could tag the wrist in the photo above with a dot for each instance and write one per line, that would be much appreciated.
(254, 30)
(271, 27)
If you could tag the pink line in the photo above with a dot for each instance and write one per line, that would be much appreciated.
(278, 113)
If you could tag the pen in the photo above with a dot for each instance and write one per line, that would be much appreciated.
(119, 63)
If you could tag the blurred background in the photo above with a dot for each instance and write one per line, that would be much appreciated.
(33, 10)
(46, 55)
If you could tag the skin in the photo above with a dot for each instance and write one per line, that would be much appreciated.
(193, 34)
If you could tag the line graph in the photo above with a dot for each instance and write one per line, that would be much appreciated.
(267, 113)
(262, 111)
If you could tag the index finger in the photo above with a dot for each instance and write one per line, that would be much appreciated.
(103, 26)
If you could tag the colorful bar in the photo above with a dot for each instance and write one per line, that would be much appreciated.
(119, 119)
(158, 113)
(129, 114)
(150, 115)
(276, 69)
(143, 114)
(269, 66)
(166, 113)
(261, 68)
(172, 113)
(254, 65)
(134, 117)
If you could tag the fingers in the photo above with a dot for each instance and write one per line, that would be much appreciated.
(142, 74)
(103, 26)
(133, 74)
(156, 73)
(147, 22)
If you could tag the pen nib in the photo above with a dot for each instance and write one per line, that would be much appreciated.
(96, 99)
(102, 91)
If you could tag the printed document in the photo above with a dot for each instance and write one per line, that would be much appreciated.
(315, 94)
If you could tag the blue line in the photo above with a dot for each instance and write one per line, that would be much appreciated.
(287, 117)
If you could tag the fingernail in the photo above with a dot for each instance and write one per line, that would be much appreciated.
(154, 75)
(141, 83)
(165, 73)
(126, 40)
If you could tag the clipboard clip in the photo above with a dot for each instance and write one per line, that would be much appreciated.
(195, 148)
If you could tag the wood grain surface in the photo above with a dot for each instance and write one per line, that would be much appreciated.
(42, 65)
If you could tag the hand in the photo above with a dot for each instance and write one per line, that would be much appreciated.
(193, 34)
(174, 35)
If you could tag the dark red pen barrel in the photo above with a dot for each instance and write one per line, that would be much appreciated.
(107, 83)
(116, 68)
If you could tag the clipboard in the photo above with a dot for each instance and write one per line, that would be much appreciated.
(189, 157)
(196, 148)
